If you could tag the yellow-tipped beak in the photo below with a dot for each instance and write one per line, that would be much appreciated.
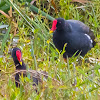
(51, 31)
(20, 63)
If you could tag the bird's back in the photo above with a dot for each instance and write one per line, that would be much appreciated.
(78, 39)
(77, 42)
(79, 26)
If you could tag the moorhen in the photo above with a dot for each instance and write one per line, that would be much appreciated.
(78, 36)
(21, 69)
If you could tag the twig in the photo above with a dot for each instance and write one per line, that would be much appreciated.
(38, 73)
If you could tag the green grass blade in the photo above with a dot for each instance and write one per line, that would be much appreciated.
(16, 8)
(6, 36)
(35, 9)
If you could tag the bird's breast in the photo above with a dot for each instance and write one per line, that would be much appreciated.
(59, 41)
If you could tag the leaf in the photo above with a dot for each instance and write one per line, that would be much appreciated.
(37, 10)
(5, 39)
(81, 1)
(19, 11)
(48, 41)
(10, 12)
(64, 48)
(54, 5)
(3, 6)
(32, 2)
(3, 26)
(32, 54)
(57, 50)
(3, 13)
(2, 3)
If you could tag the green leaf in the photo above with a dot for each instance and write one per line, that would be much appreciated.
(4, 7)
(6, 36)
(37, 10)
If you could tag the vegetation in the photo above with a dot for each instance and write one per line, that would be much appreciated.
(29, 25)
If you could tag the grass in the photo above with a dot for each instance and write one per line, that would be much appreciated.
(38, 54)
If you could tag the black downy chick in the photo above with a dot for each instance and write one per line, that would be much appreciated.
(20, 65)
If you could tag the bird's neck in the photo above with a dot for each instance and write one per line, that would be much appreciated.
(20, 67)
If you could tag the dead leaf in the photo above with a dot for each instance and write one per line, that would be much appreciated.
(54, 5)
(3, 13)
(81, 1)
(10, 12)
(32, 2)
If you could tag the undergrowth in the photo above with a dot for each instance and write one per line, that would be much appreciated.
(39, 52)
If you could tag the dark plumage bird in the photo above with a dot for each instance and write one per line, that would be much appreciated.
(21, 68)
(78, 36)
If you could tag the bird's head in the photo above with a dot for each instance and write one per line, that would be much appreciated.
(17, 55)
(57, 24)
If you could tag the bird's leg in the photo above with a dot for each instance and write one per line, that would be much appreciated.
(65, 59)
